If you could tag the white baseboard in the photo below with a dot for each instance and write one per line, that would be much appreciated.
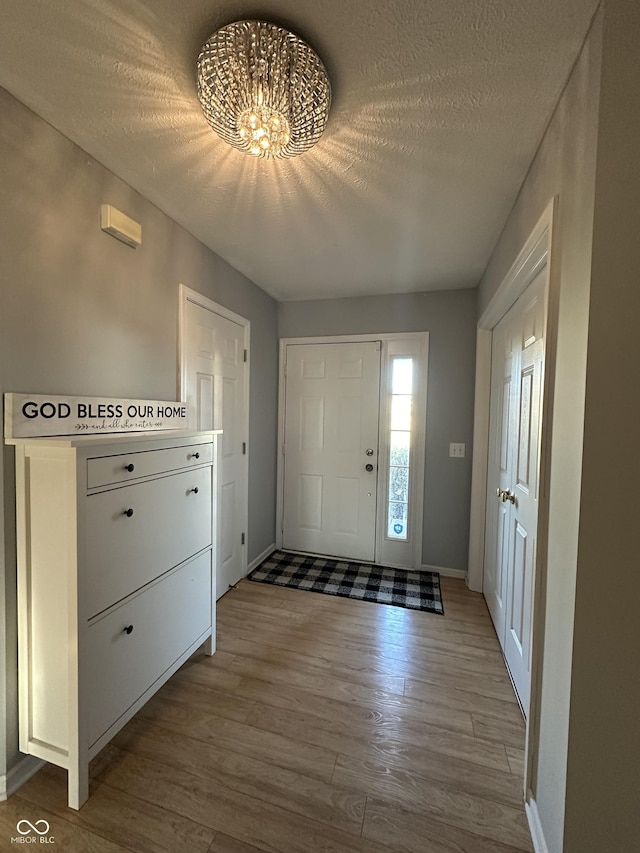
(535, 827)
(18, 775)
(260, 558)
(445, 572)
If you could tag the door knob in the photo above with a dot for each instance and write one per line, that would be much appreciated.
(369, 451)
(368, 467)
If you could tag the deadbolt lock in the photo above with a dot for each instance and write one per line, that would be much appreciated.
(369, 451)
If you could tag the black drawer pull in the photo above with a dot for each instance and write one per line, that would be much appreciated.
(195, 456)
(194, 490)
(128, 629)
(129, 467)
(128, 512)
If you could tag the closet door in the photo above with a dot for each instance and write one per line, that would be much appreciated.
(214, 386)
(512, 500)
(496, 564)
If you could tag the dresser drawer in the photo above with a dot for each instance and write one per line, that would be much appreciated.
(108, 470)
(135, 533)
(166, 618)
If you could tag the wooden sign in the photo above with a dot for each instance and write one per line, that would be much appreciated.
(29, 415)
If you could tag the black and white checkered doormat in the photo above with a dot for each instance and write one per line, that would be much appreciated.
(416, 590)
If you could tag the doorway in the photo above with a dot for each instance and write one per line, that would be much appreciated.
(214, 382)
(535, 257)
(352, 447)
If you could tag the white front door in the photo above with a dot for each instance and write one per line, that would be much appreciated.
(214, 389)
(331, 448)
(512, 498)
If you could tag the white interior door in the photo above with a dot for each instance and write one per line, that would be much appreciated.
(500, 462)
(214, 375)
(331, 448)
(512, 499)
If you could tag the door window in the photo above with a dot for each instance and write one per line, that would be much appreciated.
(401, 374)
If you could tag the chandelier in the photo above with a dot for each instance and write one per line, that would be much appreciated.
(263, 89)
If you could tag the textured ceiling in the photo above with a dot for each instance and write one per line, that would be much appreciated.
(438, 107)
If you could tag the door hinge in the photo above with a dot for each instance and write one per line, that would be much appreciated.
(244, 448)
(242, 543)
(245, 355)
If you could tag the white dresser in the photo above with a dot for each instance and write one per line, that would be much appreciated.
(116, 582)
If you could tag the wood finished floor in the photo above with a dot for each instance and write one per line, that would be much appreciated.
(321, 724)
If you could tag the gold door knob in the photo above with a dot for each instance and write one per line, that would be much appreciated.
(505, 495)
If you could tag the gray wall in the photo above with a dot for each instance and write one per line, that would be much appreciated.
(81, 313)
(450, 319)
(603, 778)
(564, 167)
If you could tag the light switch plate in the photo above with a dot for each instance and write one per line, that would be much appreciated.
(457, 450)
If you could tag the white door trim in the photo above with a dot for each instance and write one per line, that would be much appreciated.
(538, 250)
(418, 494)
(185, 295)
